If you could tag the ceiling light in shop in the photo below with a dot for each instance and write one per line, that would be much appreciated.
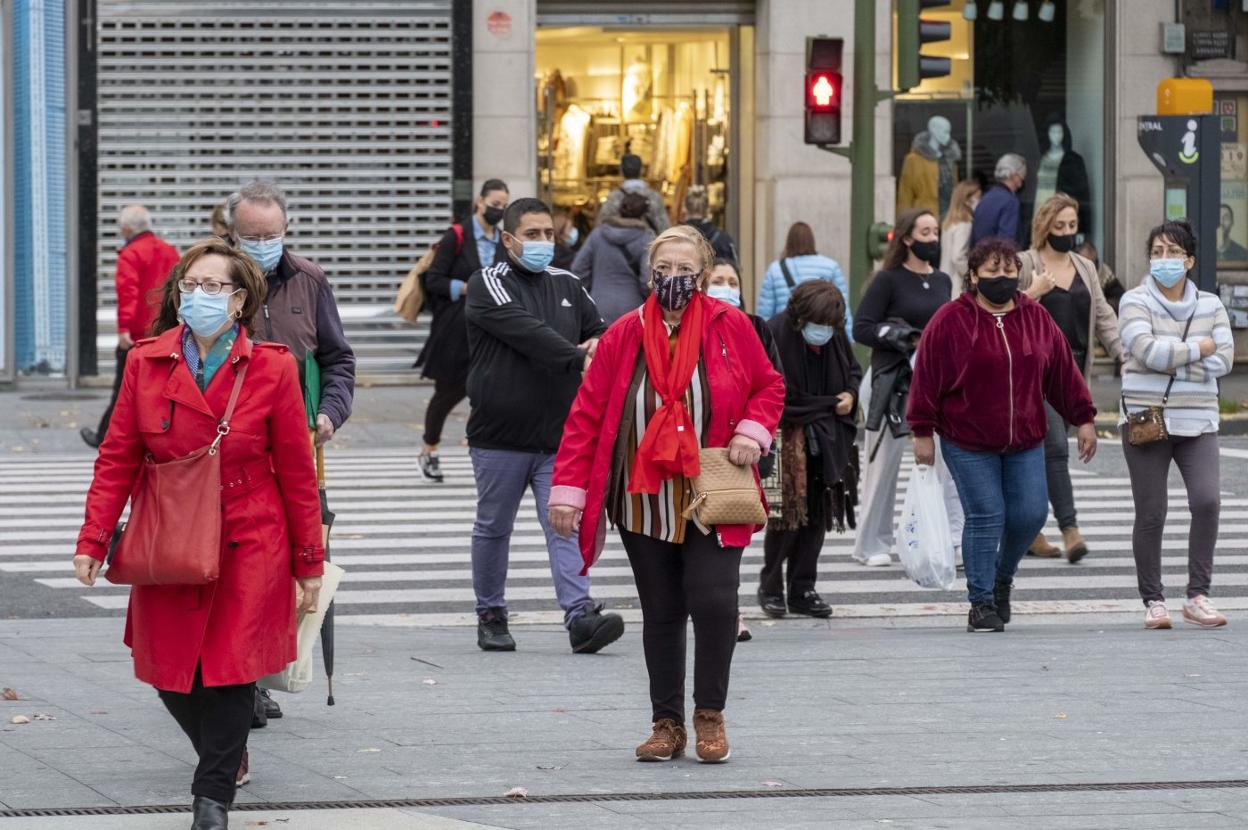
(996, 10)
(1021, 10)
(971, 11)
(1047, 11)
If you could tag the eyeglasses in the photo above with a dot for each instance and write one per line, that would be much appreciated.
(210, 287)
(272, 237)
(1172, 252)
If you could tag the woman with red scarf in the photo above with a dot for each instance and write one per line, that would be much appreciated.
(680, 373)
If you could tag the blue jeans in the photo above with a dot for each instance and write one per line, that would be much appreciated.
(502, 477)
(1006, 500)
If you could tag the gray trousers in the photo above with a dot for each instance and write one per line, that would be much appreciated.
(1149, 465)
(1057, 470)
(502, 477)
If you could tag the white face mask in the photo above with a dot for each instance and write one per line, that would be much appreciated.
(725, 293)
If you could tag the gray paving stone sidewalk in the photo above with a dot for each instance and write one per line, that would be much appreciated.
(423, 714)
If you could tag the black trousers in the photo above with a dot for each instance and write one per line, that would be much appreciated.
(799, 550)
(696, 579)
(217, 719)
(446, 396)
(108, 413)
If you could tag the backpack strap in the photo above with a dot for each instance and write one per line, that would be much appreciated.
(459, 237)
(788, 277)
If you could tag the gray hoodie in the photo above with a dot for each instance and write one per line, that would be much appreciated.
(613, 266)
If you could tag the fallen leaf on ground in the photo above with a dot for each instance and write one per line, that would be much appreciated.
(9, 694)
(42, 716)
(773, 784)
(429, 681)
(19, 719)
(369, 749)
(517, 792)
(1061, 716)
(98, 712)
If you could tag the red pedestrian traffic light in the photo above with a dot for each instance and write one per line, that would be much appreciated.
(823, 90)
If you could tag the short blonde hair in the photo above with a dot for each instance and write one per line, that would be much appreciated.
(1046, 214)
(694, 237)
(960, 202)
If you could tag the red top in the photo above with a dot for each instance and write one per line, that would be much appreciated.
(981, 381)
(143, 265)
(746, 398)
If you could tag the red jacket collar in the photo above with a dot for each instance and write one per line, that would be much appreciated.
(180, 387)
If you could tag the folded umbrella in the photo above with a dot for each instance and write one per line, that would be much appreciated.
(312, 403)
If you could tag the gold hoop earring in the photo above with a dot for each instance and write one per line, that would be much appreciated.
(238, 314)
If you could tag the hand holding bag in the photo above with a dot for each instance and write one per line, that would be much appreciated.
(723, 493)
(1148, 425)
(173, 536)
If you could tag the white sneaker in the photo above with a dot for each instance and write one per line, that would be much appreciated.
(1156, 616)
(1200, 611)
(878, 560)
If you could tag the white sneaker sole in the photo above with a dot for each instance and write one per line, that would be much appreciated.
(1154, 625)
(716, 760)
(1203, 623)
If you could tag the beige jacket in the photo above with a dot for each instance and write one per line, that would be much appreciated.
(1102, 322)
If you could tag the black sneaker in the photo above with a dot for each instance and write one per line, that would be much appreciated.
(88, 435)
(271, 710)
(259, 718)
(810, 604)
(430, 468)
(492, 632)
(594, 630)
(1002, 595)
(772, 604)
(983, 617)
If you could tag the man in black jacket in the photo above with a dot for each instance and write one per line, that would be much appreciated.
(525, 321)
(463, 250)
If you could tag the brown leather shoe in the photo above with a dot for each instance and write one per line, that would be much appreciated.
(1076, 549)
(1041, 547)
(666, 742)
(712, 740)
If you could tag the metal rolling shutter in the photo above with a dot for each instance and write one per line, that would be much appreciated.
(346, 104)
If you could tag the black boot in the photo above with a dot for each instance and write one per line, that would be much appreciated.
(492, 631)
(772, 604)
(1002, 595)
(983, 617)
(810, 604)
(594, 630)
(209, 814)
(90, 438)
(271, 710)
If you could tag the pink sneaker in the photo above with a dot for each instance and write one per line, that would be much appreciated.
(1156, 616)
(1200, 611)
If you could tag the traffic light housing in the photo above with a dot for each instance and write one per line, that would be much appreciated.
(824, 87)
(878, 237)
(912, 33)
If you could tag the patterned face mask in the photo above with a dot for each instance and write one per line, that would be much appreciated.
(674, 291)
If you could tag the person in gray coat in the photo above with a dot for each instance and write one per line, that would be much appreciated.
(612, 264)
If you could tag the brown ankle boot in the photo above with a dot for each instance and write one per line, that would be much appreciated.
(712, 740)
(1074, 544)
(666, 742)
(1041, 547)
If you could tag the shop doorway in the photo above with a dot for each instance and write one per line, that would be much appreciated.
(666, 95)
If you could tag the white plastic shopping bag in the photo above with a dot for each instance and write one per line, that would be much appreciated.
(924, 540)
(297, 676)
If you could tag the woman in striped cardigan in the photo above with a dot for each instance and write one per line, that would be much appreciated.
(1177, 341)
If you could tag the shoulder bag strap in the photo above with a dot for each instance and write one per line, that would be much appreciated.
(223, 426)
(784, 269)
(1166, 397)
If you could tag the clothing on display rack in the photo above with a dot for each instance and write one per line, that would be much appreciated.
(570, 143)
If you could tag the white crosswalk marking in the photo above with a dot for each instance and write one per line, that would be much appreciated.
(405, 544)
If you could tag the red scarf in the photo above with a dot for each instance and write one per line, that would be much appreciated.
(669, 446)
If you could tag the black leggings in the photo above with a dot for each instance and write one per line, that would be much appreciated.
(674, 582)
(217, 719)
(446, 396)
(120, 370)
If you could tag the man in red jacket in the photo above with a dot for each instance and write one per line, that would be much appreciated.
(143, 263)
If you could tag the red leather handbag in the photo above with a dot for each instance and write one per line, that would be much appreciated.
(173, 536)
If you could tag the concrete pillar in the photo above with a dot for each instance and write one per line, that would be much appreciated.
(504, 121)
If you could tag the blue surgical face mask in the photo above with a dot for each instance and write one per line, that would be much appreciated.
(1168, 272)
(817, 335)
(205, 314)
(536, 255)
(265, 254)
(573, 236)
(726, 293)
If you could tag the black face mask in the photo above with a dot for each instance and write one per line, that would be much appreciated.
(929, 252)
(493, 215)
(1063, 244)
(997, 290)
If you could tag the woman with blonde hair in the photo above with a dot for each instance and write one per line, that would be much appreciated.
(680, 374)
(956, 232)
(1069, 288)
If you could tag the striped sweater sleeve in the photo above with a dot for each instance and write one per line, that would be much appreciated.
(1135, 324)
(1219, 363)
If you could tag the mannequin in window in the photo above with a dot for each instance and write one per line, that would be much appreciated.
(1062, 170)
(635, 96)
(930, 169)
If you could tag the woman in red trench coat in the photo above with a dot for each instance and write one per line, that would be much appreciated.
(203, 647)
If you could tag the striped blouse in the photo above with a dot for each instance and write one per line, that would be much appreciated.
(657, 515)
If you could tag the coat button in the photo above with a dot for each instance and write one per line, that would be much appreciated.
(164, 423)
(233, 543)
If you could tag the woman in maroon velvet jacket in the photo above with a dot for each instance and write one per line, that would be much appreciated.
(987, 363)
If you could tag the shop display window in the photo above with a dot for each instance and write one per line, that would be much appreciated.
(1232, 112)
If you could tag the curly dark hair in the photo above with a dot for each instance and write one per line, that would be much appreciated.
(243, 272)
(995, 249)
(816, 301)
(1178, 231)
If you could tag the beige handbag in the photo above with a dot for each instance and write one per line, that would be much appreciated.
(723, 493)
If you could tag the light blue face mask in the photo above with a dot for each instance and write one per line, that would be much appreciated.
(265, 254)
(573, 236)
(205, 314)
(1168, 272)
(726, 293)
(536, 256)
(816, 335)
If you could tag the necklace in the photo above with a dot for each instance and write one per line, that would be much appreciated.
(924, 277)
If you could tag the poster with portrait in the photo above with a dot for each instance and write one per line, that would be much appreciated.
(1233, 212)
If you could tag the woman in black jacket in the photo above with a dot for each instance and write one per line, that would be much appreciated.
(818, 456)
(463, 250)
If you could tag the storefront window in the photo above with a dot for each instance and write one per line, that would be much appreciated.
(662, 95)
(1232, 112)
(1022, 82)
